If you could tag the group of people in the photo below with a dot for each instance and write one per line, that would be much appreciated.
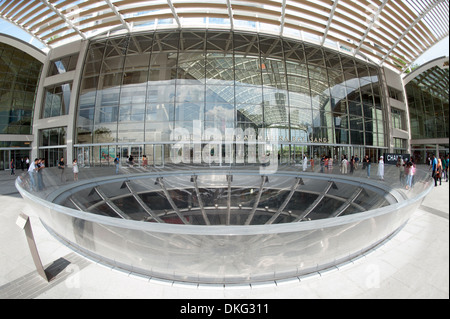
(130, 162)
(346, 166)
(24, 164)
(75, 169)
(439, 168)
(35, 174)
(407, 170)
(349, 166)
(326, 164)
(36, 167)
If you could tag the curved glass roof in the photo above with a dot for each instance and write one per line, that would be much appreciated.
(392, 33)
(432, 78)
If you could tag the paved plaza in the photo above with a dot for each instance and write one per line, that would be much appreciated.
(412, 264)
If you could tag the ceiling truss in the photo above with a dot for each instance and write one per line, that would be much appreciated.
(392, 33)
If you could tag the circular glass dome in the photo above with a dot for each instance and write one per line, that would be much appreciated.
(223, 226)
(241, 198)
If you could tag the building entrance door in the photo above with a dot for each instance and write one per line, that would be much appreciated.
(52, 156)
(17, 155)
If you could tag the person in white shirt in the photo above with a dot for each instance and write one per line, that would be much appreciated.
(344, 164)
(32, 170)
(75, 169)
(305, 163)
(380, 172)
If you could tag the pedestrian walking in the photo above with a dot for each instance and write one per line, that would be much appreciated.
(12, 166)
(116, 162)
(344, 165)
(305, 163)
(434, 169)
(439, 171)
(75, 170)
(61, 167)
(367, 162)
(446, 167)
(380, 172)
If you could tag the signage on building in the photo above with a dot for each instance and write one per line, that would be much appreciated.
(391, 158)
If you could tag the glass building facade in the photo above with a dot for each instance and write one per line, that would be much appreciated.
(150, 90)
(428, 102)
(19, 78)
(19, 74)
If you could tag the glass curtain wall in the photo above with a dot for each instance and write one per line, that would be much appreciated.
(52, 145)
(19, 77)
(429, 104)
(57, 100)
(149, 90)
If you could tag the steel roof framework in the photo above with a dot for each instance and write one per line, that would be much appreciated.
(392, 33)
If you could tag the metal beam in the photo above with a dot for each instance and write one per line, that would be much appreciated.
(369, 27)
(113, 206)
(409, 28)
(64, 18)
(324, 37)
(229, 179)
(349, 201)
(76, 204)
(160, 181)
(174, 12)
(286, 201)
(283, 13)
(141, 202)
(118, 15)
(230, 14)
(315, 203)
(258, 198)
(200, 201)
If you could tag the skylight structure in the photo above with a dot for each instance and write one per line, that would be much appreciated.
(391, 33)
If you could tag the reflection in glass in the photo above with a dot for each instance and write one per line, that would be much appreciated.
(149, 84)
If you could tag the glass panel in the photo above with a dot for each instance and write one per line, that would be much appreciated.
(248, 94)
(314, 55)
(357, 137)
(161, 93)
(247, 77)
(63, 65)
(219, 112)
(219, 42)
(158, 131)
(250, 113)
(151, 83)
(189, 111)
(19, 75)
(159, 112)
(57, 100)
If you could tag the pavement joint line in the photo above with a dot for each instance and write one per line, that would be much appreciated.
(434, 211)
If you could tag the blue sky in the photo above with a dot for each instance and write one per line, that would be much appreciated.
(438, 50)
